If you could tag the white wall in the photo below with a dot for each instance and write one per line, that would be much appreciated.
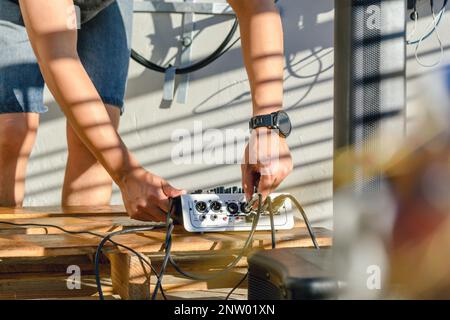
(219, 97)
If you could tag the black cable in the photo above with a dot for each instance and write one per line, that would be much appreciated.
(168, 257)
(274, 244)
(272, 228)
(272, 223)
(141, 259)
(45, 226)
(168, 245)
(100, 247)
(232, 264)
(167, 249)
(310, 230)
(236, 286)
(221, 50)
(195, 66)
(444, 5)
(246, 245)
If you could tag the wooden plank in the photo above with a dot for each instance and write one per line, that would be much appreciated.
(210, 294)
(130, 277)
(83, 298)
(173, 282)
(151, 242)
(42, 275)
(102, 224)
(47, 265)
(54, 287)
(41, 286)
(200, 261)
(46, 245)
(191, 262)
(54, 211)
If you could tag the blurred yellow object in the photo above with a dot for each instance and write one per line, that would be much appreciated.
(417, 173)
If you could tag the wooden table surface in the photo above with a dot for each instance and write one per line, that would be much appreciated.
(33, 259)
(32, 241)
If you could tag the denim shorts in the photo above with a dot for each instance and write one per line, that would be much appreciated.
(103, 46)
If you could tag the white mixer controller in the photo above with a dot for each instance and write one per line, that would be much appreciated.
(206, 212)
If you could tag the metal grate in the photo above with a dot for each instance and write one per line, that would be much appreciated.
(262, 289)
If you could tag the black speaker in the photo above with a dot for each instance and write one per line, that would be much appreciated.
(369, 113)
(412, 4)
(370, 76)
(291, 274)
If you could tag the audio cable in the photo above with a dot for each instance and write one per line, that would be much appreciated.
(168, 243)
(168, 257)
(272, 223)
(223, 48)
(274, 245)
(272, 207)
(193, 67)
(232, 264)
(100, 247)
(278, 203)
(415, 17)
(237, 286)
(97, 257)
(436, 20)
(167, 249)
(191, 276)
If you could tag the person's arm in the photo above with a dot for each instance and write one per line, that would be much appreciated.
(263, 54)
(55, 46)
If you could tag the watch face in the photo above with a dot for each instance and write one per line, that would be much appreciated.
(283, 123)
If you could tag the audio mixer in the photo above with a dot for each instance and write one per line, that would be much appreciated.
(225, 209)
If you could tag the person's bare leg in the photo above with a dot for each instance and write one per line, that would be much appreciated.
(86, 182)
(17, 136)
(263, 52)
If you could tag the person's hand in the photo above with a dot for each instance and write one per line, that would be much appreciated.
(267, 162)
(146, 196)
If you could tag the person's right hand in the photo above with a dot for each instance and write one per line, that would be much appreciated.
(146, 196)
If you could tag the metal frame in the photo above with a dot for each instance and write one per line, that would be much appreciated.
(188, 8)
(182, 7)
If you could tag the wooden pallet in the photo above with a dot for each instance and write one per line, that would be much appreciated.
(34, 260)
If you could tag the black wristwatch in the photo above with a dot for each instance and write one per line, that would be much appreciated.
(276, 120)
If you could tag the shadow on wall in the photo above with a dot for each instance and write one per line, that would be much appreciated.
(300, 21)
(303, 33)
(308, 40)
(308, 29)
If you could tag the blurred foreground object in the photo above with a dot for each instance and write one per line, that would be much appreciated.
(392, 240)
(420, 258)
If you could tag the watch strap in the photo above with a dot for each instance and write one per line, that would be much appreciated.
(261, 121)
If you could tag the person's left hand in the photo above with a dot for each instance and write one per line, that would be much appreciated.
(267, 162)
(146, 195)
